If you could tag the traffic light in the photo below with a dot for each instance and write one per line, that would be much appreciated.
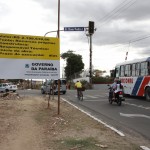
(91, 27)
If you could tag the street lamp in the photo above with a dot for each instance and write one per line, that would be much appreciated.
(58, 31)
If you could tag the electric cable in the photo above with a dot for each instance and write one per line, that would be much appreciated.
(118, 11)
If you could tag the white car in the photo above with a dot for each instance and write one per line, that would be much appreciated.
(6, 87)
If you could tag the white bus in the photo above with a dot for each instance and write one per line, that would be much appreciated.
(135, 76)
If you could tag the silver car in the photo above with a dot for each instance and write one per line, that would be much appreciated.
(2, 88)
(47, 88)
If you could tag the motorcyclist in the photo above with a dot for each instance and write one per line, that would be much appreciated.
(118, 87)
(112, 88)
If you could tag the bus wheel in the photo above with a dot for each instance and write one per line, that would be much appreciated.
(147, 94)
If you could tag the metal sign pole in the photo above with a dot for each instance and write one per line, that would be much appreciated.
(59, 48)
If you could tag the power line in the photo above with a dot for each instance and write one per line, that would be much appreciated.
(133, 41)
(112, 10)
(118, 10)
(116, 15)
(139, 39)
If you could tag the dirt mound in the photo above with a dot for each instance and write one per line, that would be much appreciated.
(9, 96)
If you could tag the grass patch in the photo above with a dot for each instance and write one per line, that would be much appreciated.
(41, 116)
(80, 144)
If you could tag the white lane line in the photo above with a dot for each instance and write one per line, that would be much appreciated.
(91, 96)
(144, 148)
(100, 121)
(95, 100)
(102, 96)
(140, 106)
(134, 115)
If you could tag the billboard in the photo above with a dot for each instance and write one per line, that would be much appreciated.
(29, 57)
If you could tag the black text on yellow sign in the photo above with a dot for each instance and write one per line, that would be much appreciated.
(29, 47)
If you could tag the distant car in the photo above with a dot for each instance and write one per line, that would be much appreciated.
(6, 87)
(47, 88)
(2, 88)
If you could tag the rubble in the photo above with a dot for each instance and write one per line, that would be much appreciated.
(9, 96)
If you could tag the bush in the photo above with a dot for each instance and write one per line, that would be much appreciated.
(102, 80)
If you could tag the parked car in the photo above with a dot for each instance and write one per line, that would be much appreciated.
(6, 87)
(2, 88)
(51, 85)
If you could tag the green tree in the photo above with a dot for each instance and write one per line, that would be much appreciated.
(74, 64)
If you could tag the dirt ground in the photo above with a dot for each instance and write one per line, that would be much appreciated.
(26, 123)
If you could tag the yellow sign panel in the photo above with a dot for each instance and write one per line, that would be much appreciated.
(29, 47)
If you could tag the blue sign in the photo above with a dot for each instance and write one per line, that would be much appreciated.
(73, 28)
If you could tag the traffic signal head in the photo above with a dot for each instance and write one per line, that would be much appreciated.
(91, 27)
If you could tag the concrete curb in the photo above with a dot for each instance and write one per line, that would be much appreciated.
(100, 121)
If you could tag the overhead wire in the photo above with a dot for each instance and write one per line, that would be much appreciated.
(133, 41)
(122, 6)
(112, 10)
(117, 11)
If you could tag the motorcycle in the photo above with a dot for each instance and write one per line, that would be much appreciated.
(118, 96)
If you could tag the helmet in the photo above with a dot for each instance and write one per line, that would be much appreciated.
(119, 81)
(116, 79)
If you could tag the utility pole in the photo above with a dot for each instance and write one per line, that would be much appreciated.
(58, 35)
(91, 32)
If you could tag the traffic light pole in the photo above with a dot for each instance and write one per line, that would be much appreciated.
(91, 32)
(90, 69)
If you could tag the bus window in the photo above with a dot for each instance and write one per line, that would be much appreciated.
(122, 71)
(137, 69)
(144, 68)
(148, 68)
(117, 71)
(127, 70)
(133, 69)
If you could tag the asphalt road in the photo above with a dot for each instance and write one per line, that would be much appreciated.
(132, 117)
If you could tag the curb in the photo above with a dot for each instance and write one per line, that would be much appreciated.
(100, 121)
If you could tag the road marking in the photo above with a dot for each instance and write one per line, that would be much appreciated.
(100, 121)
(140, 106)
(144, 148)
(102, 96)
(134, 115)
(95, 100)
(90, 96)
